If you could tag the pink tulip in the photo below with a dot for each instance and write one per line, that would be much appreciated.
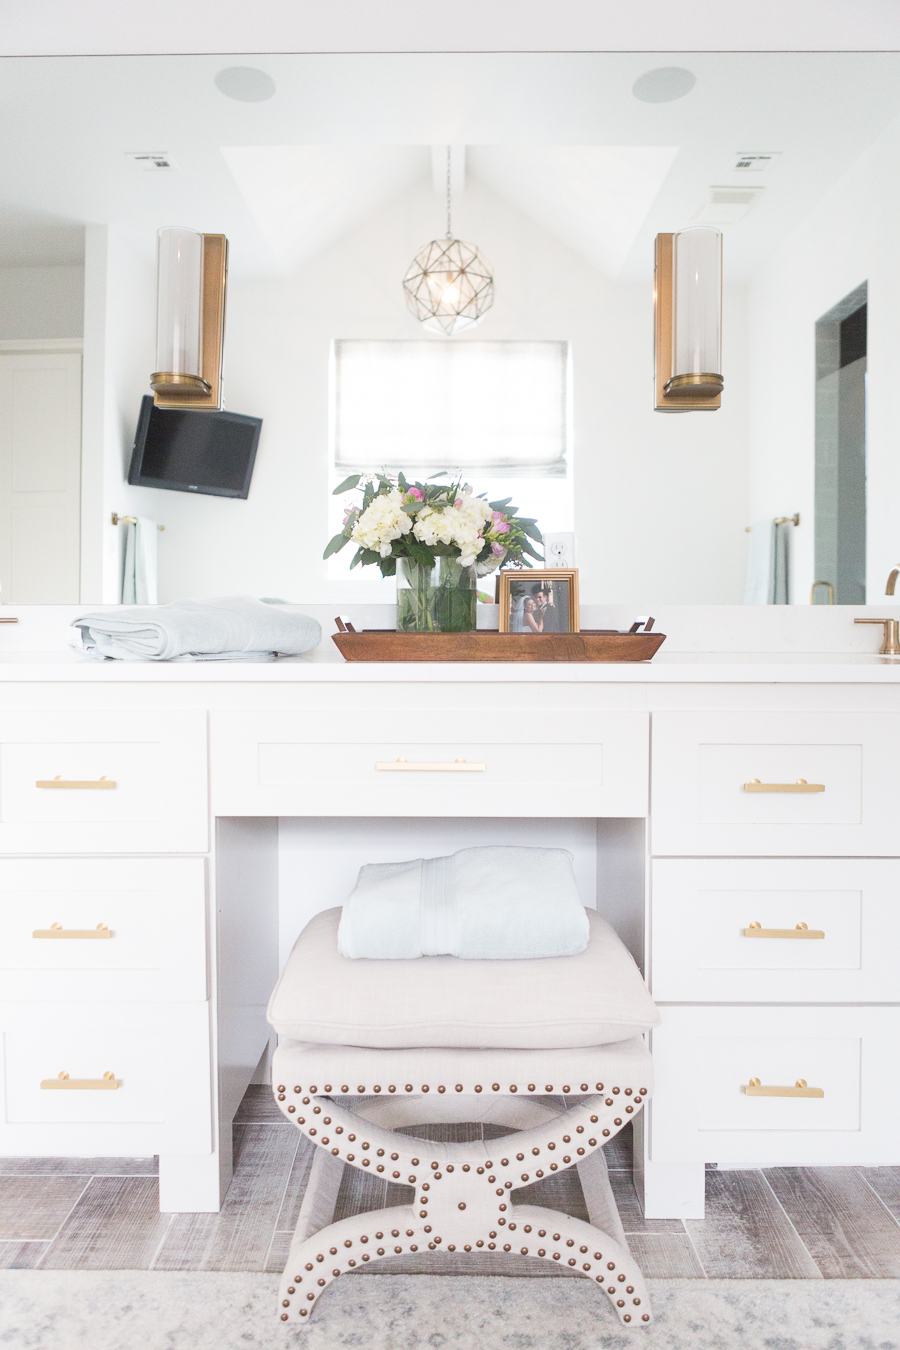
(417, 493)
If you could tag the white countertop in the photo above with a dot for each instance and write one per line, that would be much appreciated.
(325, 666)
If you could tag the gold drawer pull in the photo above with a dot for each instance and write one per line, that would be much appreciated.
(801, 931)
(56, 930)
(60, 782)
(108, 1083)
(801, 785)
(420, 766)
(755, 1089)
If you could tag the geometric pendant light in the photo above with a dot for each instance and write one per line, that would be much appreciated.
(448, 285)
(688, 304)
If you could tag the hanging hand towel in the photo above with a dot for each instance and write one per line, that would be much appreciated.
(236, 628)
(487, 904)
(139, 569)
(761, 564)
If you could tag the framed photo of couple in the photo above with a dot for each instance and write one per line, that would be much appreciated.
(539, 600)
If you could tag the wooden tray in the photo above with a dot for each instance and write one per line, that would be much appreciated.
(383, 644)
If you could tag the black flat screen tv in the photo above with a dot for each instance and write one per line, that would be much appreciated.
(209, 453)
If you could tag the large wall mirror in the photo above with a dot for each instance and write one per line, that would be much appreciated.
(327, 174)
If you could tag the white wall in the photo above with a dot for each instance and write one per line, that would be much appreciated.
(849, 237)
(660, 499)
(41, 302)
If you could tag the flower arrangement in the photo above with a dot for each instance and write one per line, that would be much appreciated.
(426, 521)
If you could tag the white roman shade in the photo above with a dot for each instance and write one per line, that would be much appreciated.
(498, 409)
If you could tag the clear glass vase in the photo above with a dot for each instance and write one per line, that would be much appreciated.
(439, 599)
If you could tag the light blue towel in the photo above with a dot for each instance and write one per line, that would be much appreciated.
(235, 628)
(482, 904)
(768, 564)
(139, 570)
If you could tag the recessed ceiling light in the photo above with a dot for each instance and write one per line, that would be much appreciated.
(245, 83)
(663, 85)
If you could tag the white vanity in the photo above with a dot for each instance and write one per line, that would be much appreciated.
(179, 861)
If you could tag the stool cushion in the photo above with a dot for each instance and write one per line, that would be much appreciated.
(592, 998)
(332, 1069)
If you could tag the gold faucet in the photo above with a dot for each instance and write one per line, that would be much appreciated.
(891, 644)
(892, 581)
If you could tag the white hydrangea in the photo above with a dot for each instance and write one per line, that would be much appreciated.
(383, 521)
(461, 524)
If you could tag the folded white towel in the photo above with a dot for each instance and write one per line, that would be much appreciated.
(235, 628)
(481, 904)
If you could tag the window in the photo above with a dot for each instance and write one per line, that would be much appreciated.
(498, 411)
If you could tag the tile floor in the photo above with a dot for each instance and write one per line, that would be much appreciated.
(101, 1214)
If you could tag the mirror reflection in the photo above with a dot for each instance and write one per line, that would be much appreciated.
(447, 262)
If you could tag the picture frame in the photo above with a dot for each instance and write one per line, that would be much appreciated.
(531, 598)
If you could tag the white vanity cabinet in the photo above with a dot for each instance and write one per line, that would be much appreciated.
(706, 877)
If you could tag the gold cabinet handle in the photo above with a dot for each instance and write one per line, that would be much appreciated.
(756, 930)
(108, 1083)
(60, 782)
(756, 1089)
(421, 766)
(801, 785)
(56, 930)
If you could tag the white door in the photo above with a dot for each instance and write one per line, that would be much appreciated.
(40, 477)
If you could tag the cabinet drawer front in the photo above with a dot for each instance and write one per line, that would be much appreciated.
(153, 945)
(775, 783)
(825, 1091)
(159, 1059)
(535, 762)
(115, 782)
(704, 947)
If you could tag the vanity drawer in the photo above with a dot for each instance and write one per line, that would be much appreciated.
(703, 947)
(159, 1059)
(531, 762)
(132, 781)
(152, 945)
(732, 783)
(704, 1058)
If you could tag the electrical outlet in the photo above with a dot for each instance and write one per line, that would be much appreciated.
(559, 549)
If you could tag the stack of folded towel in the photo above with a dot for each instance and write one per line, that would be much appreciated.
(489, 904)
(236, 628)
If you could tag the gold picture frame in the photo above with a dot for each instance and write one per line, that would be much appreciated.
(520, 593)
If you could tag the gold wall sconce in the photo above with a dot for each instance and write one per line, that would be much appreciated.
(192, 275)
(688, 309)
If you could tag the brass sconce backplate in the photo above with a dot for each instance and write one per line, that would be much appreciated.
(185, 391)
(683, 393)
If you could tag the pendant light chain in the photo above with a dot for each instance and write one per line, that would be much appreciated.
(449, 226)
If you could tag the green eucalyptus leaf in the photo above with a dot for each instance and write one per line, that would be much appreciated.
(347, 485)
(498, 506)
(334, 545)
(529, 528)
(388, 567)
(526, 548)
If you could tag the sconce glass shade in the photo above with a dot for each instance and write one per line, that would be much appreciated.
(697, 313)
(449, 286)
(179, 311)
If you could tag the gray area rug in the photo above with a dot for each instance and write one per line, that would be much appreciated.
(149, 1310)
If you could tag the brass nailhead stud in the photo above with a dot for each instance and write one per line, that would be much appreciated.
(292, 1109)
(459, 1087)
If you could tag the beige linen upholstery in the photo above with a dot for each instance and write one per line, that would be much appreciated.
(590, 999)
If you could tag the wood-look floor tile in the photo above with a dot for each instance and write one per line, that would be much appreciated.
(21, 1255)
(258, 1104)
(630, 1213)
(34, 1207)
(885, 1182)
(116, 1225)
(620, 1150)
(79, 1167)
(296, 1184)
(238, 1237)
(845, 1227)
(746, 1234)
(665, 1256)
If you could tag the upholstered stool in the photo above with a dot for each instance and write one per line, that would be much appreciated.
(566, 1026)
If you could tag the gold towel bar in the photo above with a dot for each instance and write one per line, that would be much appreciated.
(755, 1089)
(801, 785)
(60, 782)
(56, 930)
(108, 1083)
(756, 930)
(421, 766)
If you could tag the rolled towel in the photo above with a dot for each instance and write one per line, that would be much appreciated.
(235, 628)
(487, 904)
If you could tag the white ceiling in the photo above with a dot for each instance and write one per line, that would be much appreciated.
(559, 136)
